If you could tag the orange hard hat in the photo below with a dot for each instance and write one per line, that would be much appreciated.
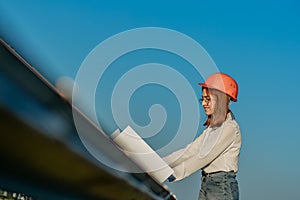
(223, 83)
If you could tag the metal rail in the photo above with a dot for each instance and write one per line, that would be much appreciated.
(58, 167)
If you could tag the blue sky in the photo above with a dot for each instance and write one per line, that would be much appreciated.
(257, 42)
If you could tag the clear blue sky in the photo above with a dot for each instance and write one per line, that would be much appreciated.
(257, 42)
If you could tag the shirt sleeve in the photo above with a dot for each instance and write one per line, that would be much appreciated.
(181, 155)
(198, 161)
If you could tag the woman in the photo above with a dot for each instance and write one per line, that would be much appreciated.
(216, 150)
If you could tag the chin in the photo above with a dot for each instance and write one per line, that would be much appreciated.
(207, 112)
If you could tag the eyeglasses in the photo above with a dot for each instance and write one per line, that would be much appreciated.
(205, 99)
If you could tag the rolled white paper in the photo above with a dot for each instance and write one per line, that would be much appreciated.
(142, 154)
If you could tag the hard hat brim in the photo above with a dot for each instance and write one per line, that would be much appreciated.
(204, 85)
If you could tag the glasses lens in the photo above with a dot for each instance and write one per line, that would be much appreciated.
(205, 99)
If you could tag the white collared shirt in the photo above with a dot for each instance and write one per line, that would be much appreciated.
(216, 149)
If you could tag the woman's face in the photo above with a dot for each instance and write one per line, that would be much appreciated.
(208, 102)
